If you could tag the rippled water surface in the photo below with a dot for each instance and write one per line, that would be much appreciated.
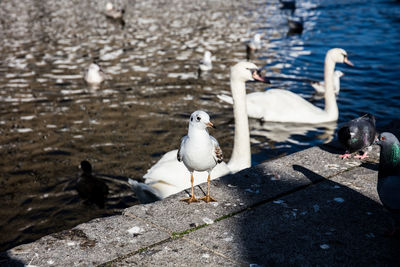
(50, 119)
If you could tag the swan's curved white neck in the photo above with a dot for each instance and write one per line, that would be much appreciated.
(241, 154)
(330, 99)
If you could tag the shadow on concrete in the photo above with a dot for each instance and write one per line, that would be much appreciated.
(370, 166)
(333, 147)
(323, 223)
(6, 260)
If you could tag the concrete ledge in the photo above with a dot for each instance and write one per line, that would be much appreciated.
(308, 208)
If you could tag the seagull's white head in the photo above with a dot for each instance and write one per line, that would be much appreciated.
(338, 73)
(94, 67)
(109, 6)
(200, 120)
(207, 55)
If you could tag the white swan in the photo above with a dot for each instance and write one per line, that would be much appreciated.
(320, 86)
(284, 106)
(169, 176)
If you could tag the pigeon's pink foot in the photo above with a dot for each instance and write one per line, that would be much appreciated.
(363, 156)
(345, 156)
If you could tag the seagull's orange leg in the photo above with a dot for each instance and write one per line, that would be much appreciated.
(192, 198)
(207, 198)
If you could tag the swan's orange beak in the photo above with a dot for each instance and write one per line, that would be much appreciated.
(256, 76)
(348, 62)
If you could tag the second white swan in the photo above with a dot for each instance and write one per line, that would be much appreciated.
(284, 106)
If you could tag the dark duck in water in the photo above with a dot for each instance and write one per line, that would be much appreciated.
(90, 188)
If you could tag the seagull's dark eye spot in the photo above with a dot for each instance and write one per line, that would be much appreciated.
(191, 118)
(198, 118)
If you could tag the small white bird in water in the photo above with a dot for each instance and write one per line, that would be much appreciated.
(320, 86)
(205, 63)
(94, 75)
(113, 13)
(253, 45)
(199, 151)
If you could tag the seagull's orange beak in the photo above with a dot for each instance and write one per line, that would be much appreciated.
(209, 124)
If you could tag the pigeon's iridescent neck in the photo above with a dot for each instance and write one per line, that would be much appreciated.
(395, 154)
(389, 163)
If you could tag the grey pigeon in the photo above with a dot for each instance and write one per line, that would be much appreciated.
(357, 134)
(389, 176)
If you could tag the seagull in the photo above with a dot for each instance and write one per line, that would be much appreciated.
(199, 151)
(205, 64)
(253, 45)
(320, 86)
(388, 186)
(94, 75)
(357, 134)
(113, 13)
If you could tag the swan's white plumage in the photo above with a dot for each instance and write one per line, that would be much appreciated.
(144, 192)
(286, 106)
(279, 105)
(166, 175)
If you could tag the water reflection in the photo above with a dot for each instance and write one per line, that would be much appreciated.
(290, 132)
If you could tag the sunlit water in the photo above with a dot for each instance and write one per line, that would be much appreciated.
(51, 120)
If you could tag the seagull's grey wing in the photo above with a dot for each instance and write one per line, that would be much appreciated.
(179, 155)
(217, 151)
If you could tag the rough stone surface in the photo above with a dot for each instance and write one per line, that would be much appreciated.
(177, 253)
(326, 224)
(91, 243)
(308, 208)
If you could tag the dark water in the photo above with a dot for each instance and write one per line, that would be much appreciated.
(50, 119)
